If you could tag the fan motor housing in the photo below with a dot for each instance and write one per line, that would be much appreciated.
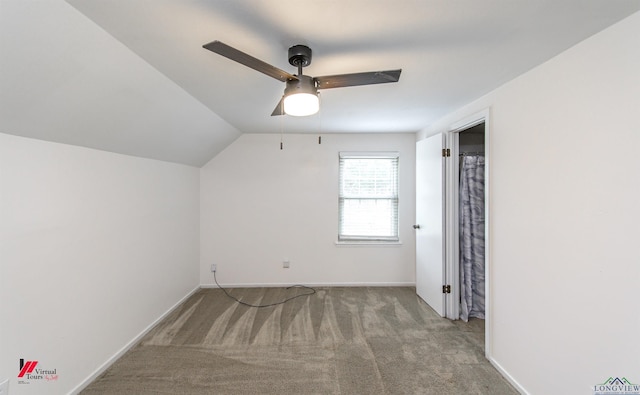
(304, 84)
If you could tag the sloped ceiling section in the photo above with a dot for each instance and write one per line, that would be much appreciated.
(64, 79)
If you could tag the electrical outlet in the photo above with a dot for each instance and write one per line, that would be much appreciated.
(213, 267)
(285, 264)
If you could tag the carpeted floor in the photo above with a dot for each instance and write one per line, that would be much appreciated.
(337, 341)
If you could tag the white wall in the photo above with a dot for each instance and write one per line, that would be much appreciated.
(94, 247)
(564, 214)
(260, 205)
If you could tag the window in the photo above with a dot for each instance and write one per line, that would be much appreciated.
(368, 198)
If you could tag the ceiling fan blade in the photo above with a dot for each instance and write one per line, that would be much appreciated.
(231, 53)
(279, 110)
(355, 79)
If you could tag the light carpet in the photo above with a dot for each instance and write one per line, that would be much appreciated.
(368, 340)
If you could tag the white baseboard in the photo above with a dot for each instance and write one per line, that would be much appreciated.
(508, 377)
(281, 285)
(128, 346)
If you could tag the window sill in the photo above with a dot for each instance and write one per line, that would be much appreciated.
(368, 243)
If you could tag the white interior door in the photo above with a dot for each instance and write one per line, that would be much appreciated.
(430, 222)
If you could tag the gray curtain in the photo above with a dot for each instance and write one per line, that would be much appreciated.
(471, 237)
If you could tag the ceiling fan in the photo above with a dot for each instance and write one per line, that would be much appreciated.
(301, 92)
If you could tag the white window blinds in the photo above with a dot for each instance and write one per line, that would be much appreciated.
(368, 199)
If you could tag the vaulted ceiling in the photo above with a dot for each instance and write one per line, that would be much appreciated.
(131, 76)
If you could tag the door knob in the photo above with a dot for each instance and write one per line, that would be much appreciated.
(416, 226)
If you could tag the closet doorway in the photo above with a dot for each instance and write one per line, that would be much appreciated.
(452, 230)
(467, 262)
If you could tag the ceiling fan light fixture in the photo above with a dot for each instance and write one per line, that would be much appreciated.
(301, 93)
(301, 104)
(301, 97)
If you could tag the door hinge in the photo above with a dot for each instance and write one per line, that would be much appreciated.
(446, 289)
(446, 152)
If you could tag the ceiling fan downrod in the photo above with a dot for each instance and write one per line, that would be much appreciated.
(300, 56)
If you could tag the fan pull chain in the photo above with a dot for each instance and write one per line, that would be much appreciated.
(281, 123)
(320, 131)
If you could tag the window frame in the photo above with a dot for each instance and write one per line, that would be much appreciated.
(395, 201)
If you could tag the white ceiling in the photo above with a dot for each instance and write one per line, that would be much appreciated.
(132, 77)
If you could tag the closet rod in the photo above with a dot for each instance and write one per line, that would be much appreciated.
(472, 153)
